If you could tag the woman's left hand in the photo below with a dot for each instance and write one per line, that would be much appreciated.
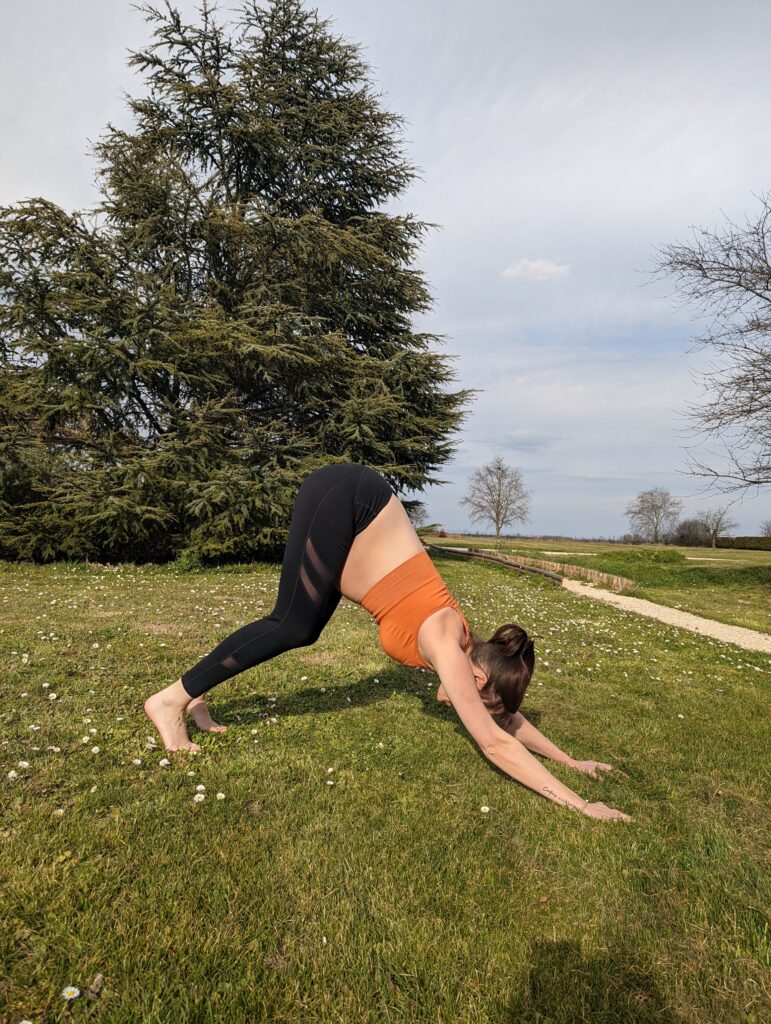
(592, 767)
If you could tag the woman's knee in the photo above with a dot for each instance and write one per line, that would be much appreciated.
(298, 632)
(306, 634)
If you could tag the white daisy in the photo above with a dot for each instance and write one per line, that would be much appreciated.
(70, 992)
(199, 797)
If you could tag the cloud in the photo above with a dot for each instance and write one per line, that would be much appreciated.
(537, 270)
(527, 440)
(595, 142)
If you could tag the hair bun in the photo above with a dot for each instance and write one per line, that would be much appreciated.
(512, 638)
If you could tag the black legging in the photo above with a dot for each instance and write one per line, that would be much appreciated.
(332, 505)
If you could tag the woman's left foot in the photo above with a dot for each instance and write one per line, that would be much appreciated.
(199, 711)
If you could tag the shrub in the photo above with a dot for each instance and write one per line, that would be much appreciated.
(690, 533)
(188, 561)
(748, 543)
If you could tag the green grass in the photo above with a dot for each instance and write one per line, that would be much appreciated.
(432, 911)
(719, 583)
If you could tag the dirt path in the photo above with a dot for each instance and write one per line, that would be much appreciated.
(749, 639)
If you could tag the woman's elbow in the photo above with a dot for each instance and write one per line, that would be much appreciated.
(492, 740)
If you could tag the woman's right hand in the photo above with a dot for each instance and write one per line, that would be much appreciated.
(600, 810)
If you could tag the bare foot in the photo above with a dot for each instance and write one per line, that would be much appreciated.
(198, 709)
(165, 710)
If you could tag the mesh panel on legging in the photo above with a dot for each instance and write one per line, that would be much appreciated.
(324, 523)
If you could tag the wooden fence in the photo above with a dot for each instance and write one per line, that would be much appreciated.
(553, 570)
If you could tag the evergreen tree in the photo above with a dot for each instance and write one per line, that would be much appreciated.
(233, 313)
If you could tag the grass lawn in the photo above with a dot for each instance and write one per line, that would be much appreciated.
(387, 896)
(719, 583)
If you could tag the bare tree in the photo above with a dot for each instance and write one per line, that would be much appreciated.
(716, 521)
(652, 512)
(497, 494)
(765, 528)
(728, 273)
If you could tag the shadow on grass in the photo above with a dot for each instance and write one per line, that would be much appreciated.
(566, 986)
(312, 701)
(365, 691)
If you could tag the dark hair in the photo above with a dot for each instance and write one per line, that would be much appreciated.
(508, 658)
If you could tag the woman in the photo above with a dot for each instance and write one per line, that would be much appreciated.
(350, 535)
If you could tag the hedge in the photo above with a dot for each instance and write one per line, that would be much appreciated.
(751, 543)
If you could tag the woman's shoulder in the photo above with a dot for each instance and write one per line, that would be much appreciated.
(443, 621)
(442, 626)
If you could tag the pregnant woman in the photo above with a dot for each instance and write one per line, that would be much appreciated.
(350, 535)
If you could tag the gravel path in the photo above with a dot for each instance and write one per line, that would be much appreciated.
(749, 639)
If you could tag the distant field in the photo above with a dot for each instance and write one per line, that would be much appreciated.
(387, 896)
(719, 583)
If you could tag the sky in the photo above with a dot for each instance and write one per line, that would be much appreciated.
(558, 146)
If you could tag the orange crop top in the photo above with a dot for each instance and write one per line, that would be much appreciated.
(402, 600)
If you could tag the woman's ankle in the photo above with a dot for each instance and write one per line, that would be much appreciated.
(177, 694)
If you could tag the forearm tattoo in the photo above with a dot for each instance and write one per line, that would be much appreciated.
(559, 799)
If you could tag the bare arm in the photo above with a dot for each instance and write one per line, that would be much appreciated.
(517, 725)
(512, 757)
(457, 679)
(503, 750)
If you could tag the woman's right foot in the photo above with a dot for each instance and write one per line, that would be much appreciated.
(165, 710)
